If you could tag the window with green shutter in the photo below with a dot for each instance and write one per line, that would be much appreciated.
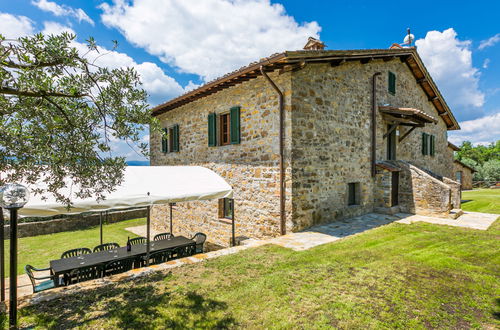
(425, 144)
(175, 138)
(164, 141)
(212, 130)
(392, 83)
(432, 145)
(235, 125)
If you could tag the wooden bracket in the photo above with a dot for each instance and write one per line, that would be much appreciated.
(393, 127)
(401, 138)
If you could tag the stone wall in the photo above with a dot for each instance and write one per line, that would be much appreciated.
(331, 120)
(422, 193)
(466, 175)
(250, 167)
(75, 222)
(328, 142)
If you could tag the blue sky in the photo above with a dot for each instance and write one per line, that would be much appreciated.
(177, 45)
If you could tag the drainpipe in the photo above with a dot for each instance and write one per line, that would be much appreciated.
(282, 148)
(374, 122)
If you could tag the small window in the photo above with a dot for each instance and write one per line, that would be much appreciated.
(225, 129)
(425, 144)
(226, 208)
(353, 193)
(392, 83)
(170, 139)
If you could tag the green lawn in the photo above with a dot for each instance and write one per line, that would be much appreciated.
(482, 200)
(398, 276)
(39, 250)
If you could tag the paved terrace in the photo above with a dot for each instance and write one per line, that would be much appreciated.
(300, 241)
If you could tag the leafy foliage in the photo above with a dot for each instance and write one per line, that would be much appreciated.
(60, 112)
(485, 159)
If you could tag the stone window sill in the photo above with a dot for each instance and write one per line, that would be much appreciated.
(225, 221)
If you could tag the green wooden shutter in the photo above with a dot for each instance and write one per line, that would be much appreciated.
(176, 138)
(164, 141)
(433, 145)
(212, 130)
(235, 125)
(392, 83)
(424, 144)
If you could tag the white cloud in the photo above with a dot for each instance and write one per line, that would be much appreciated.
(56, 28)
(486, 63)
(62, 10)
(483, 130)
(489, 42)
(449, 62)
(13, 27)
(210, 37)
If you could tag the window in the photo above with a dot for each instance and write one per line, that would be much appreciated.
(428, 144)
(425, 144)
(353, 193)
(224, 129)
(432, 145)
(226, 208)
(170, 139)
(392, 83)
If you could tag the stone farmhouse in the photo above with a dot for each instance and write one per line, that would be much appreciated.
(311, 136)
(462, 172)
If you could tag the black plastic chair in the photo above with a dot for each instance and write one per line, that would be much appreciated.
(118, 266)
(160, 257)
(75, 253)
(162, 236)
(183, 251)
(138, 240)
(200, 239)
(106, 246)
(40, 286)
(85, 274)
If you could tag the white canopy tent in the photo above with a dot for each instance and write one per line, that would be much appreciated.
(142, 186)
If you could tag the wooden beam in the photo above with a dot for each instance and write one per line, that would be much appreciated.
(432, 99)
(337, 62)
(401, 138)
(421, 80)
(443, 114)
(393, 127)
(389, 58)
(365, 60)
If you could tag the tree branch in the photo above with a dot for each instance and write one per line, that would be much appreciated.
(14, 65)
(13, 91)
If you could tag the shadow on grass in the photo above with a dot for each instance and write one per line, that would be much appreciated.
(134, 305)
(496, 313)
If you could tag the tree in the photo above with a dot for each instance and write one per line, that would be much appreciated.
(480, 154)
(490, 171)
(60, 112)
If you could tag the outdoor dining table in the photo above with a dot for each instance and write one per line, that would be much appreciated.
(63, 266)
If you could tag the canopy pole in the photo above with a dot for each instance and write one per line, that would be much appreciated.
(232, 225)
(13, 270)
(148, 233)
(100, 225)
(170, 218)
(2, 256)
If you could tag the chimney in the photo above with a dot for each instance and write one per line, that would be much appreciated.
(314, 44)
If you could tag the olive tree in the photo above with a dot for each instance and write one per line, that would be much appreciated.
(60, 113)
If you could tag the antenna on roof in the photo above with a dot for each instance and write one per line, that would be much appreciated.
(408, 40)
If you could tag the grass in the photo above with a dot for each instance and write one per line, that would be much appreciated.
(39, 250)
(417, 276)
(482, 200)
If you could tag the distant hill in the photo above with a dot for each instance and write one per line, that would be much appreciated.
(138, 162)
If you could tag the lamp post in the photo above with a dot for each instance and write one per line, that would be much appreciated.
(13, 196)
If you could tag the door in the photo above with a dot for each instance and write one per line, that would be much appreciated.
(395, 189)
